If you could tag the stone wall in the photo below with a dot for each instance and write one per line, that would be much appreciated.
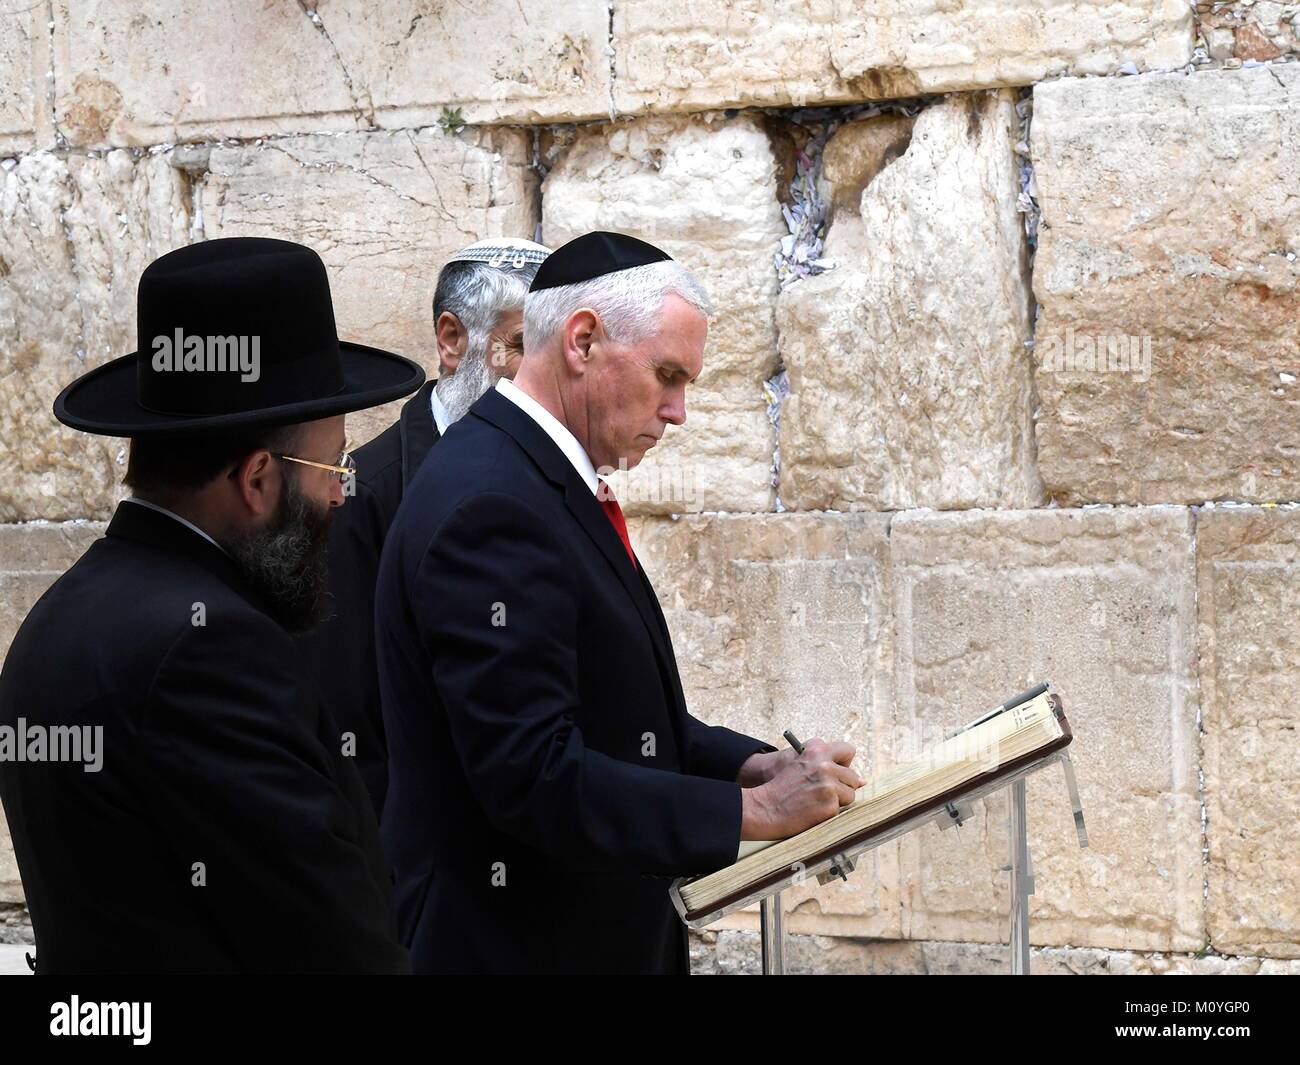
(1002, 386)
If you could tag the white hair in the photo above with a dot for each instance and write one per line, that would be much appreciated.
(628, 302)
(478, 294)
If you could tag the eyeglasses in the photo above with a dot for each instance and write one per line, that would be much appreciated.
(346, 466)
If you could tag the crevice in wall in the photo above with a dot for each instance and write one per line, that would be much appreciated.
(1201, 792)
(1027, 206)
(798, 138)
(74, 267)
(51, 94)
(364, 114)
(539, 167)
(192, 162)
(610, 52)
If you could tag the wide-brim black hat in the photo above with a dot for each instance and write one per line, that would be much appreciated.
(231, 334)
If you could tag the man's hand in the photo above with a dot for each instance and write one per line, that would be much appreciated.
(800, 791)
(761, 767)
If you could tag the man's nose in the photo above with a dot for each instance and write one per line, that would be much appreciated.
(674, 412)
(337, 493)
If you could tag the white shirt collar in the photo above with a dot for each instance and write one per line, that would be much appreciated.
(173, 514)
(441, 416)
(564, 440)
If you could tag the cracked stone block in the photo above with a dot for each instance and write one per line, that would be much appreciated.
(495, 60)
(162, 71)
(909, 376)
(31, 558)
(1101, 603)
(670, 55)
(1249, 606)
(706, 192)
(75, 235)
(24, 61)
(384, 211)
(1168, 273)
(783, 621)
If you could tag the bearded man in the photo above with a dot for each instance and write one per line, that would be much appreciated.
(225, 830)
(478, 310)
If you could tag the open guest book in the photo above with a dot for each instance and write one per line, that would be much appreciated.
(1022, 730)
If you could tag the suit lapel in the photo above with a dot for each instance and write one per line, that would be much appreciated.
(417, 432)
(583, 506)
(495, 408)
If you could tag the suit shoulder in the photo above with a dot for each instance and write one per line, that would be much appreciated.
(479, 458)
(378, 456)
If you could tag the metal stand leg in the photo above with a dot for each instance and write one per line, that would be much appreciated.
(773, 935)
(1022, 879)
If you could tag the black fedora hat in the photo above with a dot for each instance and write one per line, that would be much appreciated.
(233, 333)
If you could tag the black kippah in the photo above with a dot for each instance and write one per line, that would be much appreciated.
(594, 255)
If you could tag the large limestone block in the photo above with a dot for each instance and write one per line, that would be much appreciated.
(75, 234)
(706, 192)
(163, 71)
(909, 375)
(1248, 579)
(384, 210)
(1101, 603)
(24, 60)
(1168, 276)
(673, 55)
(783, 621)
(495, 60)
(31, 558)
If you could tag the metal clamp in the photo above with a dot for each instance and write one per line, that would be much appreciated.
(841, 866)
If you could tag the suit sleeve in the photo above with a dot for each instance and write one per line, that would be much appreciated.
(718, 752)
(498, 609)
(249, 790)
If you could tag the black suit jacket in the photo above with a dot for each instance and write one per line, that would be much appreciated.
(545, 779)
(340, 652)
(215, 750)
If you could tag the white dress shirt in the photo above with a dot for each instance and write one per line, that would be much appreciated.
(441, 416)
(564, 440)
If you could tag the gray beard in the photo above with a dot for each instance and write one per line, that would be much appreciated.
(287, 564)
(461, 390)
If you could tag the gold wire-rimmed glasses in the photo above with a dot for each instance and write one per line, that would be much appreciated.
(345, 467)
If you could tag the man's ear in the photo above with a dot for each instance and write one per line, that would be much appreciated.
(452, 339)
(258, 482)
(582, 332)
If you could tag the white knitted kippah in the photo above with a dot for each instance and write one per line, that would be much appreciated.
(513, 252)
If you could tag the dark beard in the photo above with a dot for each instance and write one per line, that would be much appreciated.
(287, 564)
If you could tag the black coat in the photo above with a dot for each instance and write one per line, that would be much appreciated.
(215, 751)
(340, 652)
(545, 779)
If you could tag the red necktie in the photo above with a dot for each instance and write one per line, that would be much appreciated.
(605, 496)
